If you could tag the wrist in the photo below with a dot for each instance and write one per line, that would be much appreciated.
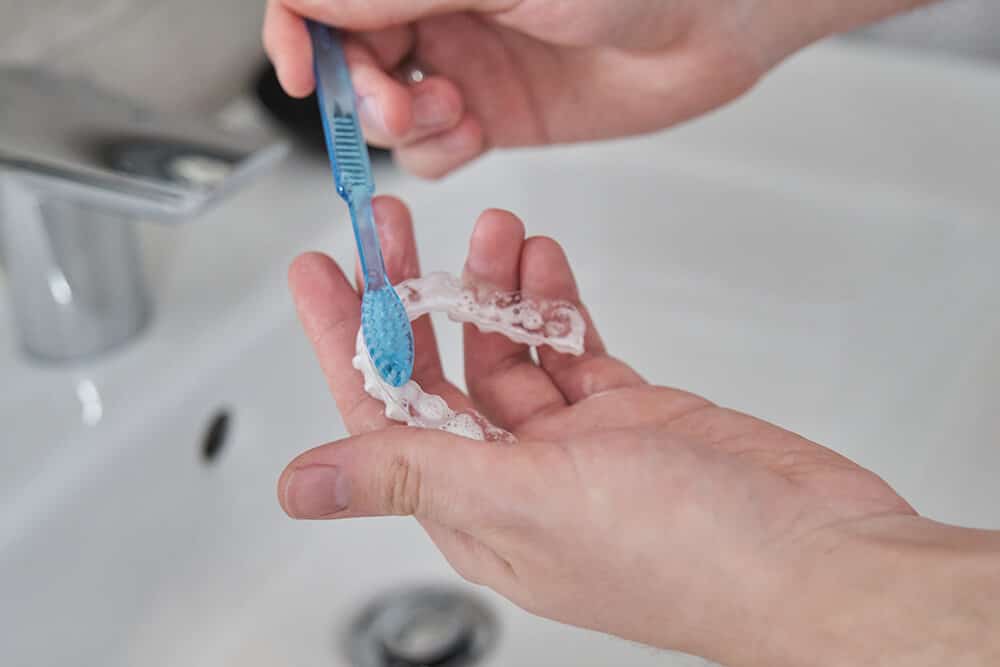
(896, 590)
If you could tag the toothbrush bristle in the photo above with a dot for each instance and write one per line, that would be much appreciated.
(388, 335)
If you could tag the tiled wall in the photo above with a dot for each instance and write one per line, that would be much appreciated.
(176, 54)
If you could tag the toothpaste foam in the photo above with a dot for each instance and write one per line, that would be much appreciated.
(522, 319)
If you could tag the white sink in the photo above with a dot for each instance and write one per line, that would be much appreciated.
(822, 254)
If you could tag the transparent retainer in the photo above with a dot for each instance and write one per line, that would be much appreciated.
(521, 318)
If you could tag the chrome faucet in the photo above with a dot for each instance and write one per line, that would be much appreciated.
(78, 168)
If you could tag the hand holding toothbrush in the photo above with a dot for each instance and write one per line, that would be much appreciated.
(642, 511)
(496, 73)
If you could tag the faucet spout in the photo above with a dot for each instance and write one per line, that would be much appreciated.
(78, 168)
(76, 280)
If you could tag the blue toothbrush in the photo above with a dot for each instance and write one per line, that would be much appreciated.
(384, 323)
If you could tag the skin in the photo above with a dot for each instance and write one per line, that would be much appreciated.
(523, 72)
(641, 511)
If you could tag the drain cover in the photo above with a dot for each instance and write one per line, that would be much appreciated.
(422, 627)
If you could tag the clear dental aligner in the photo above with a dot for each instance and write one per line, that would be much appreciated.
(521, 318)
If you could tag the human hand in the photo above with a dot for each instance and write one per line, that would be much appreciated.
(638, 510)
(514, 73)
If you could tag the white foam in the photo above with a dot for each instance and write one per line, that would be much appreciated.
(523, 319)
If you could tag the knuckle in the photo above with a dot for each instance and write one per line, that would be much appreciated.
(361, 415)
(403, 488)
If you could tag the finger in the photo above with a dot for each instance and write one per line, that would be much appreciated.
(367, 15)
(330, 312)
(394, 114)
(432, 475)
(503, 379)
(437, 108)
(545, 272)
(444, 152)
(287, 44)
(390, 45)
(402, 262)
(384, 104)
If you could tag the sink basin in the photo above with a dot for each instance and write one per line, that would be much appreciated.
(821, 254)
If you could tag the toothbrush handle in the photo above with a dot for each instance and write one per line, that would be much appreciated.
(369, 248)
(347, 148)
(331, 67)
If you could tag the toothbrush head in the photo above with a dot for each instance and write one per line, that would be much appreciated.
(388, 335)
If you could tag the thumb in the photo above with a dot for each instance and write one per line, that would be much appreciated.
(402, 471)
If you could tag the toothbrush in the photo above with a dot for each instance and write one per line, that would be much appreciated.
(385, 326)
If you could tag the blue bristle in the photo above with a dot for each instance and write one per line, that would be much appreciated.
(387, 335)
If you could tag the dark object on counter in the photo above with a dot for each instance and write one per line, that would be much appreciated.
(300, 117)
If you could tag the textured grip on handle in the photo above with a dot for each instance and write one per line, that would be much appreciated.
(344, 140)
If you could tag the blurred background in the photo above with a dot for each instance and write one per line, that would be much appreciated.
(89, 36)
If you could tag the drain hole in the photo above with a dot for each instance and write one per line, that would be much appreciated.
(422, 627)
(216, 435)
(429, 636)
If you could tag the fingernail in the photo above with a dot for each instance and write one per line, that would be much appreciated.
(317, 491)
(371, 114)
(430, 112)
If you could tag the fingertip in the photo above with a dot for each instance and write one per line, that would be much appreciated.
(307, 266)
(296, 80)
(282, 490)
(545, 269)
(394, 114)
(546, 272)
(395, 230)
(495, 245)
(328, 454)
(286, 41)
(384, 104)
(545, 245)
(389, 209)
(320, 290)
(494, 221)
(396, 105)
(317, 491)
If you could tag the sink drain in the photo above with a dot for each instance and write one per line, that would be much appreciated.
(422, 627)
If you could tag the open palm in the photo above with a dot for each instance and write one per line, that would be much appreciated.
(619, 494)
